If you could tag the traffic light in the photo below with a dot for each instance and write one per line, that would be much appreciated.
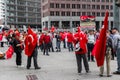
(117, 3)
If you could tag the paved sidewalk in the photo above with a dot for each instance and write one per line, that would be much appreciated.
(57, 66)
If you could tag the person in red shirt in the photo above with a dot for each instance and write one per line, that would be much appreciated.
(41, 41)
(70, 41)
(46, 41)
(81, 39)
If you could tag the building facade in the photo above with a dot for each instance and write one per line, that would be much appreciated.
(2, 12)
(66, 13)
(23, 12)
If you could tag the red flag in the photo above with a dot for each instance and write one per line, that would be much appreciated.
(30, 42)
(9, 52)
(52, 29)
(100, 46)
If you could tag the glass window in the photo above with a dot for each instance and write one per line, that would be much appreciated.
(57, 13)
(68, 13)
(107, 6)
(73, 6)
(67, 5)
(51, 5)
(78, 6)
(78, 13)
(51, 13)
(62, 5)
(73, 13)
(57, 5)
(83, 6)
(98, 14)
(102, 6)
(62, 13)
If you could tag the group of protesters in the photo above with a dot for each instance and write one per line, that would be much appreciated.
(80, 42)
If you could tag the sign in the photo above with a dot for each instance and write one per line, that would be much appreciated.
(87, 22)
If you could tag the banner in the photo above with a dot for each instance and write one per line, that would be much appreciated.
(87, 22)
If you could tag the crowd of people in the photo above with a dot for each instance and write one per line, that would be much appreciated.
(82, 43)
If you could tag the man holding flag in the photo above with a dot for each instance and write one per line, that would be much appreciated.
(101, 49)
(31, 48)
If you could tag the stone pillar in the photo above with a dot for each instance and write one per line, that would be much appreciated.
(49, 24)
(60, 24)
(70, 24)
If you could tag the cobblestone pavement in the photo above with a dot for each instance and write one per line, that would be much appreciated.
(57, 66)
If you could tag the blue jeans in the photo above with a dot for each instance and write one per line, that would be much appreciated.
(70, 46)
(118, 59)
(58, 46)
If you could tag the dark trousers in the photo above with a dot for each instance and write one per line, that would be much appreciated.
(42, 47)
(51, 47)
(70, 46)
(46, 47)
(2, 44)
(79, 58)
(64, 43)
(90, 48)
(34, 55)
(18, 58)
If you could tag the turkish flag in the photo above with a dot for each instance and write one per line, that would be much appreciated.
(9, 52)
(30, 42)
(100, 46)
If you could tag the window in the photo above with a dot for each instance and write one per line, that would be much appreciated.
(111, 14)
(88, 6)
(62, 13)
(102, 14)
(73, 6)
(111, 7)
(67, 5)
(93, 14)
(78, 6)
(88, 13)
(102, 0)
(98, 14)
(83, 13)
(51, 13)
(93, 6)
(78, 13)
(84, 6)
(57, 5)
(98, 6)
(102, 6)
(73, 14)
(57, 13)
(68, 13)
(98, 0)
(62, 5)
(51, 5)
(107, 6)
(107, 0)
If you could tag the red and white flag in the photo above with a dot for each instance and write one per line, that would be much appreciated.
(100, 46)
